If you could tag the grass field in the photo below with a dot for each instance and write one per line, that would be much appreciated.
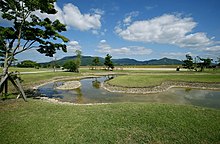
(26, 69)
(152, 79)
(42, 122)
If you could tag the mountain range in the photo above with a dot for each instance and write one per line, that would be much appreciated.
(87, 61)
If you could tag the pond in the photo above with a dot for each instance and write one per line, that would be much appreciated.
(91, 92)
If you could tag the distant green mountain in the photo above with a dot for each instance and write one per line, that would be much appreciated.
(164, 61)
(87, 61)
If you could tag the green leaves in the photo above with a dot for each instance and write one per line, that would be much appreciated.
(29, 28)
(108, 62)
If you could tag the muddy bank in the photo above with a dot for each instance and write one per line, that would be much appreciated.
(160, 88)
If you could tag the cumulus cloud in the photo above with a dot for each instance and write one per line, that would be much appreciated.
(104, 47)
(72, 17)
(165, 29)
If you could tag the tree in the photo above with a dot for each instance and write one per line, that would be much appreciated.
(188, 63)
(28, 30)
(108, 63)
(73, 65)
(28, 64)
(205, 63)
(78, 59)
(218, 61)
(70, 65)
(95, 61)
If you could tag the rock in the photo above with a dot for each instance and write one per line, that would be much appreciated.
(69, 85)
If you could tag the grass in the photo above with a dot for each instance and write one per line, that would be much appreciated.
(153, 79)
(30, 78)
(26, 69)
(42, 122)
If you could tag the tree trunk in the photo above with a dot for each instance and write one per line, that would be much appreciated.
(6, 66)
(4, 82)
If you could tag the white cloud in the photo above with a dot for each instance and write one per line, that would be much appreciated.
(72, 46)
(128, 19)
(165, 29)
(98, 11)
(72, 17)
(99, 32)
(103, 41)
(104, 47)
(212, 49)
(195, 40)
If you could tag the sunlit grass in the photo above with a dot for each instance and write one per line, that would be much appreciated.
(152, 80)
(41, 122)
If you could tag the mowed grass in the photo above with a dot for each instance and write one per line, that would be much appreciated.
(153, 79)
(38, 77)
(42, 122)
(12, 69)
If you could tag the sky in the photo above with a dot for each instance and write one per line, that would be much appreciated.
(137, 29)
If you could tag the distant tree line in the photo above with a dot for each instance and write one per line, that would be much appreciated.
(28, 64)
(73, 65)
(198, 63)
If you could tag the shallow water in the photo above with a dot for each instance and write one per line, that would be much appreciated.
(91, 92)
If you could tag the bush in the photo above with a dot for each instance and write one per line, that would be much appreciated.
(71, 66)
(28, 64)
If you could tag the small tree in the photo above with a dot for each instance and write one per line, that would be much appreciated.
(205, 63)
(188, 63)
(218, 61)
(73, 65)
(108, 62)
(28, 31)
(70, 66)
(78, 59)
(95, 61)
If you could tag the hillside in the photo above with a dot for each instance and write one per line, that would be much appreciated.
(87, 61)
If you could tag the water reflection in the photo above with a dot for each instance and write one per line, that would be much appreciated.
(188, 89)
(79, 97)
(91, 92)
(96, 84)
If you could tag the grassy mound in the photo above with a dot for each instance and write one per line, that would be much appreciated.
(152, 80)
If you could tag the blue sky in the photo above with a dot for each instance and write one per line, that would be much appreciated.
(141, 29)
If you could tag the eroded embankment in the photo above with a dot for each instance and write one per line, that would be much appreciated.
(161, 88)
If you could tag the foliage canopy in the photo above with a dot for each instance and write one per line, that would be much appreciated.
(29, 31)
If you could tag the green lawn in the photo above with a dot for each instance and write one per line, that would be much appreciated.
(42, 122)
(157, 79)
(26, 69)
(36, 78)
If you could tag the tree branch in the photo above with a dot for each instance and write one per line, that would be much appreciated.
(27, 48)
(25, 44)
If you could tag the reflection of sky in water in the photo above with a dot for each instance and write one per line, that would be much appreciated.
(90, 92)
